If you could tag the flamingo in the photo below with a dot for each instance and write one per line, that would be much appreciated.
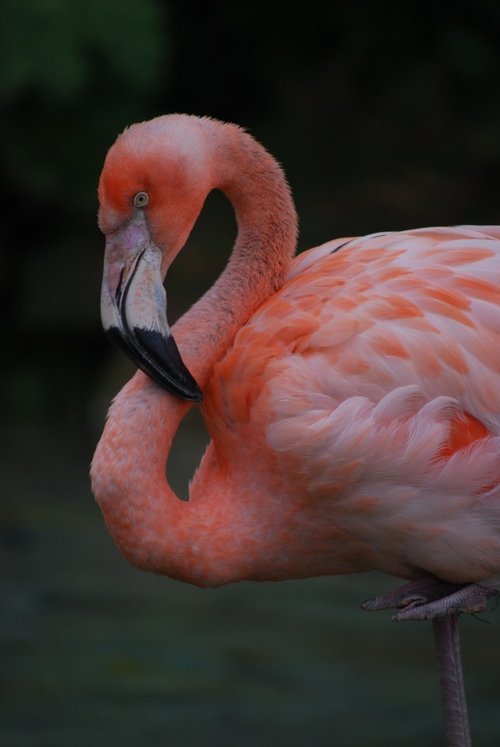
(351, 394)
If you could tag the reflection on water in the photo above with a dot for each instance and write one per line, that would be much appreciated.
(96, 652)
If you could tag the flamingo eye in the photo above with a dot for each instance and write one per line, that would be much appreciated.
(141, 199)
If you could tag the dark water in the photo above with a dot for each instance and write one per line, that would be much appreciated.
(96, 652)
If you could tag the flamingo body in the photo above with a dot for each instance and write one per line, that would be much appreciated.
(360, 406)
(352, 394)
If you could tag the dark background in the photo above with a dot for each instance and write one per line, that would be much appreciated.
(385, 116)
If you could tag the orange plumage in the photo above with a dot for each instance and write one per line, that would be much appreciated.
(352, 394)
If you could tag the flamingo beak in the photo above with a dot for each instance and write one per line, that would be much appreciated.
(134, 309)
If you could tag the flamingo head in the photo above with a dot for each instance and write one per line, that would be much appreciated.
(153, 185)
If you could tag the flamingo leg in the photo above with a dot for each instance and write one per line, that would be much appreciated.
(455, 712)
(441, 602)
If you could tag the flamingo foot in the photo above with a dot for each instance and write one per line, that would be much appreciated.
(441, 602)
(432, 599)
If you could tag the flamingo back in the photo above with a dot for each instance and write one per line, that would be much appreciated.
(369, 388)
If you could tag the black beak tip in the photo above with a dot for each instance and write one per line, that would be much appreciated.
(194, 396)
(159, 358)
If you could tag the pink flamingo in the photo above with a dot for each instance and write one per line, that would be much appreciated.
(352, 394)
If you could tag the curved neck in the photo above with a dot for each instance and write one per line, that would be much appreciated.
(152, 527)
(265, 244)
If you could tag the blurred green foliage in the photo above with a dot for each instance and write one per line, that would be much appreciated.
(69, 71)
(49, 45)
